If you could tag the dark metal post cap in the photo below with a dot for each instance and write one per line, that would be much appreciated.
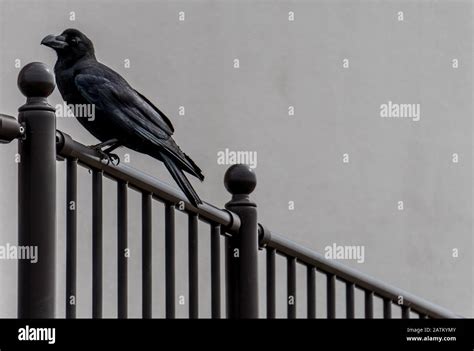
(36, 80)
(240, 179)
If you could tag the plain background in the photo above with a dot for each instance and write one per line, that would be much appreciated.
(282, 63)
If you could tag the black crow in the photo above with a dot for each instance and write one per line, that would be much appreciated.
(123, 116)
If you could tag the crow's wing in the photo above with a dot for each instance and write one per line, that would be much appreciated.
(157, 110)
(130, 112)
(129, 108)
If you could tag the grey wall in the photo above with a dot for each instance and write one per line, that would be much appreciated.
(282, 63)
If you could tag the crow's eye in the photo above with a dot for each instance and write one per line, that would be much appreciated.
(74, 41)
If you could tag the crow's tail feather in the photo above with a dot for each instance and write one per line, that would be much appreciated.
(181, 179)
(196, 171)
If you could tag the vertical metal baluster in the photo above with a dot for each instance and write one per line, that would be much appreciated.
(291, 287)
(270, 283)
(170, 261)
(71, 237)
(387, 308)
(331, 296)
(146, 256)
(311, 291)
(350, 310)
(369, 304)
(405, 312)
(215, 271)
(122, 246)
(193, 263)
(97, 244)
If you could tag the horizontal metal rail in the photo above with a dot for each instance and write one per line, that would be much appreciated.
(10, 129)
(69, 148)
(349, 275)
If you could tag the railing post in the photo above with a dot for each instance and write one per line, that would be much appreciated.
(242, 249)
(37, 193)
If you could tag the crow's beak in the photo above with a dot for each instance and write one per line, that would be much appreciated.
(55, 41)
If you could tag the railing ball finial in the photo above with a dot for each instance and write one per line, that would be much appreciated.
(37, 193)
(36, 80)
(240, 179)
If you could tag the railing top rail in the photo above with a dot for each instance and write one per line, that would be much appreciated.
(69, 148)
(10, 129)
(289, 248)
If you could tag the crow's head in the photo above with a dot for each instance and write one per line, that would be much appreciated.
(71, 44)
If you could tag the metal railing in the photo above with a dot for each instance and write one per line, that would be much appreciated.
(40, 144)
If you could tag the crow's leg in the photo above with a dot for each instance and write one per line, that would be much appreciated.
(115, 158)
(107, 153)
(104, 144)
(112, 148)
(108, 157)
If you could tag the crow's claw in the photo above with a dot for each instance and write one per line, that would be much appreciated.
(115, 159)
(109, 158)
(95, 147)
